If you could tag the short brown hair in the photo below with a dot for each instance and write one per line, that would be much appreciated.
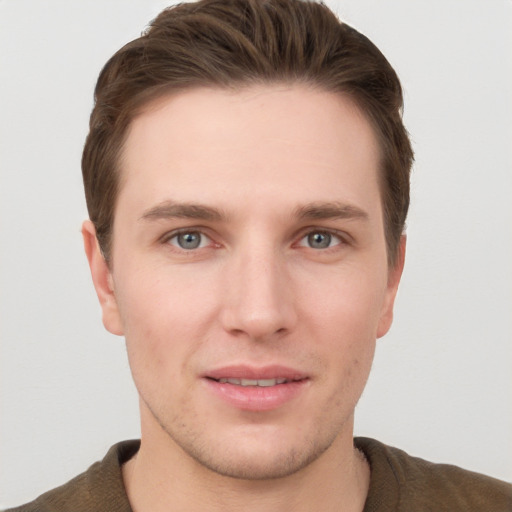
(232, 43)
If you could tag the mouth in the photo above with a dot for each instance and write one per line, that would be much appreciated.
(256, 389)
(263, 383)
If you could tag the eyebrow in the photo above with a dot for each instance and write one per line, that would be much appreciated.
(330, 210)
(171, 209)
(311, 211)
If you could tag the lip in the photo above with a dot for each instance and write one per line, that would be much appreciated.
(251, 372)
(256, 398)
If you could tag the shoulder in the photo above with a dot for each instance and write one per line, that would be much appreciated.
(409, 483)
(98, 489)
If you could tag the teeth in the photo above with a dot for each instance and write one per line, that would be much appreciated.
(264, 383)
(248, 382)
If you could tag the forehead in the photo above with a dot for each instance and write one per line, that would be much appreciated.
(280, 143)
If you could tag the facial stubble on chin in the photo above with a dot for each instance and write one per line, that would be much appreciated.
(228, 462)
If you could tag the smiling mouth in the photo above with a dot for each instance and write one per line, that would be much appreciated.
(256, 390)
(263, 383)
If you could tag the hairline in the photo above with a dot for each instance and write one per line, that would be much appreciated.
(152, 97)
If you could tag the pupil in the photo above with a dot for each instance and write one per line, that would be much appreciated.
(319, 240)
(189, 240)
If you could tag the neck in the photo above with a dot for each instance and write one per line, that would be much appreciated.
(162, 474)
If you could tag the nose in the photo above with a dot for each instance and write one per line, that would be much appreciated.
(259, 299)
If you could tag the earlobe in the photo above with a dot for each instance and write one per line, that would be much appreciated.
(102, 280)
(394, 276)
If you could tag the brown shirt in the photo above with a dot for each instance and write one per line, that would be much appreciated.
(399, 483)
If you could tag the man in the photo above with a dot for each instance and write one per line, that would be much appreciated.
(246, 174)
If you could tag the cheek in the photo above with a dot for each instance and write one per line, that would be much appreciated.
(165, 315)
(149, 318)
(344, 315)
(347, 304)
(153, 298)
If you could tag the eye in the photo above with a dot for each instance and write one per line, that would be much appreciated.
(189, 240)
(320, 240)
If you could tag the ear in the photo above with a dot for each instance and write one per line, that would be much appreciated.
(102, 279)
(394, 275)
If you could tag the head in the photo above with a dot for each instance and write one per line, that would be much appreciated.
(247, 177)
(233, 44)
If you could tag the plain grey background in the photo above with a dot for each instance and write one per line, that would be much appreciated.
(441, 385)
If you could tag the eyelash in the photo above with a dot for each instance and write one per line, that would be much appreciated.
(175, 234)
(331, 234)
(341, 237)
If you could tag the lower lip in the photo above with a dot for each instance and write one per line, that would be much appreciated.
(257, 398)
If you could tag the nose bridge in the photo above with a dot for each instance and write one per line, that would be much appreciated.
(259, 303)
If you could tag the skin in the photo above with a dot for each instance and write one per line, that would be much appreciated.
(271, 170)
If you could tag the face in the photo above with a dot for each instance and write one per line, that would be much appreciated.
(248, 274)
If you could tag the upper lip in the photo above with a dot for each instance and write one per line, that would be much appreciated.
(255, 373)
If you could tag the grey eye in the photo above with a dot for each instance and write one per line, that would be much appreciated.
(319, 240)
(190, 240)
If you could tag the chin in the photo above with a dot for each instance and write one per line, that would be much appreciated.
(258, 454)
(258, 465)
